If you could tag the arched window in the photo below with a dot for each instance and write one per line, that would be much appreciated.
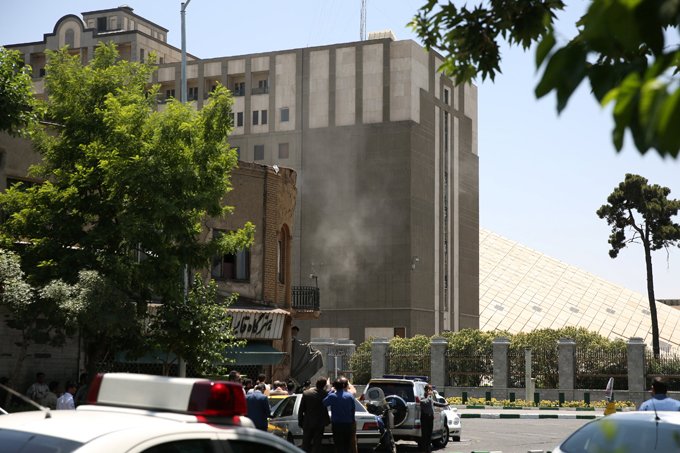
(70, 38)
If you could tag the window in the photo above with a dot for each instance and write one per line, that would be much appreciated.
(42, 72)
(284, 114)
(256, 117)
(162, 60)
(283, 150)
(259, 152)
(264, 117)
(239, 119)
(193, 93)
(141, 55)
(400, 332)
(264, 84)
(69, 38)
(231, 266)
(169, 93)
(446, 96)
(101, 24)
(239, 88)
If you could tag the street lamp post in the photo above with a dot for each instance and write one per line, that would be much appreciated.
(182, 365)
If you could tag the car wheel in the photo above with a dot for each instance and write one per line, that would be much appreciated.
(399, 409)
(442, 441)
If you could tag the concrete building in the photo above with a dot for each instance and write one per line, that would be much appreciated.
(385, 149)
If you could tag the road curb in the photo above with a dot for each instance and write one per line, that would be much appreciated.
(531, 416)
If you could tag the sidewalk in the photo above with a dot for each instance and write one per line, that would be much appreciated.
(533, 413)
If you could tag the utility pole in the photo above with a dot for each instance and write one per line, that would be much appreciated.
(362, 27)
(182, 365)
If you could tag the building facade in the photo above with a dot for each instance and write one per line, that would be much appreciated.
(385, 149)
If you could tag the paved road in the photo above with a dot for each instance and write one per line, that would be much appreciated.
(506, 435)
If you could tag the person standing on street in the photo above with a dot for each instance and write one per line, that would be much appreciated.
(342, 407)
(39, 389)
(427, 404)
(258, 407)
(659, 400)
(313, 416)
(65, 401)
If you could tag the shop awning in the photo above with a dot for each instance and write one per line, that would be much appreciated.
(255, 354)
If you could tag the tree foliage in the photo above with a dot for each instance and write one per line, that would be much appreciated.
(205, 328)
(126, 187)
(621, 49)
(38, 314)
(639, 212)
(17, 103)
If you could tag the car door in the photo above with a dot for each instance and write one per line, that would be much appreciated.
(280, 421)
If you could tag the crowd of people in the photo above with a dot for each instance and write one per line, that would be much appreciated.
(51, 395)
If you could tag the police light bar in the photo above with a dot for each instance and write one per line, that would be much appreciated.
(201, 397)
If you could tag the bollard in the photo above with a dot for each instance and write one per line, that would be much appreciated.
(561, 397)
(512, 397)
(586, 398)
(488, 397)
(465, 398)
(537, 398)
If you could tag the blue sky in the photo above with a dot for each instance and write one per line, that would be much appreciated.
(542, 177)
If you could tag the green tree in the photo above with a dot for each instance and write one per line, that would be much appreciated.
(642, 212)
(205, 325)
(17, 104)
(37, 314)
(126, 187)
(620, 48)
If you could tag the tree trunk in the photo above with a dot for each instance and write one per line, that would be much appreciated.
(16, 372)
(652, 300)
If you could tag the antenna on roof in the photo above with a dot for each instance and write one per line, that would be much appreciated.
(362, 27)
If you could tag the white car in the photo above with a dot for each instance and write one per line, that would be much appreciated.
(403, 393)
(144, 414)
(452, 418)
(284, 423)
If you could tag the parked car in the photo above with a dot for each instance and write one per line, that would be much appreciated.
(284, 423)
(452, 418)
(646, 431)
(135, 413)
(404, 394)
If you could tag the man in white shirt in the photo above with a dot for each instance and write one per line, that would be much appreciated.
(38, 390)
(65, 401)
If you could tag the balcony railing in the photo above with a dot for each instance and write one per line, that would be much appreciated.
(238, 92)
(260, 90)
(306, 298)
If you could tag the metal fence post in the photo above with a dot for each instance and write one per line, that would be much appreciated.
(379, 348)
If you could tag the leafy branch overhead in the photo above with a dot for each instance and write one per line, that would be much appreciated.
(620, 48)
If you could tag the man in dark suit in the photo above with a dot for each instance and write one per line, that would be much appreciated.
(313, 416)
(258, 407)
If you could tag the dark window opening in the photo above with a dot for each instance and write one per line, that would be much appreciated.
(283, 150)
(231, 266)
(284, 114)
(101, 23)
(256, 117)
(259, 152)
(264, 117)
(239, 119)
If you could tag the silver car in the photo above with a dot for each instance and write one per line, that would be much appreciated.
(284, 423)
(625, 432)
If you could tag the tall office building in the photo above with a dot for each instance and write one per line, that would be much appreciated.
(385, 149)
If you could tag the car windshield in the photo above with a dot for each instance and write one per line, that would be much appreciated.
(404, 391)
(625, 436)
(20, 441)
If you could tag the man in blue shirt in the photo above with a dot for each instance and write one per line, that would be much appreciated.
(659, 400)
(341, 403)
(258, 407)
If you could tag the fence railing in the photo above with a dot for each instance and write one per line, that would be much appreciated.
(467, 368)
(667, 365)
(594, 368)
(413, 363)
